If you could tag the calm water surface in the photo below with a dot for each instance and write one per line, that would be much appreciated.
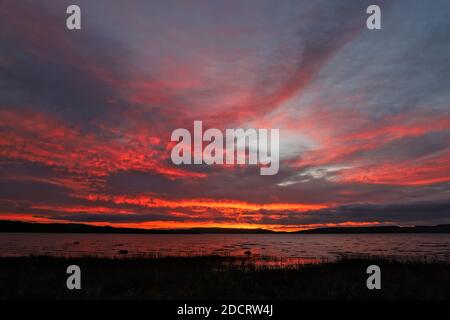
(308, 247)
(287, 246)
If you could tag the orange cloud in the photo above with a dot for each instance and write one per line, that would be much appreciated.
(154, 202)
(38, 138)
(406, 173)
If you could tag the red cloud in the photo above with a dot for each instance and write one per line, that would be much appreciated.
(38, 138)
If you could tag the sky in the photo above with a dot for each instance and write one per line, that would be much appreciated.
(364, 115)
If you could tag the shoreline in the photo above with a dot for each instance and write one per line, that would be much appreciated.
(8, 226)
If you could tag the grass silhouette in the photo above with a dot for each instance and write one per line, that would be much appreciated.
(218, 277)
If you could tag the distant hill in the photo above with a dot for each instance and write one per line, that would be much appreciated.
(442, 228)
(16, 226)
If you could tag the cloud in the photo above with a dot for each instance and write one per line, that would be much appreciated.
(397, 213)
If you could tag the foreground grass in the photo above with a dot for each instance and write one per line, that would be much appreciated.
(213, 277)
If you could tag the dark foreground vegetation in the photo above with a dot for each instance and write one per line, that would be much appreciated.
(213, 277)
